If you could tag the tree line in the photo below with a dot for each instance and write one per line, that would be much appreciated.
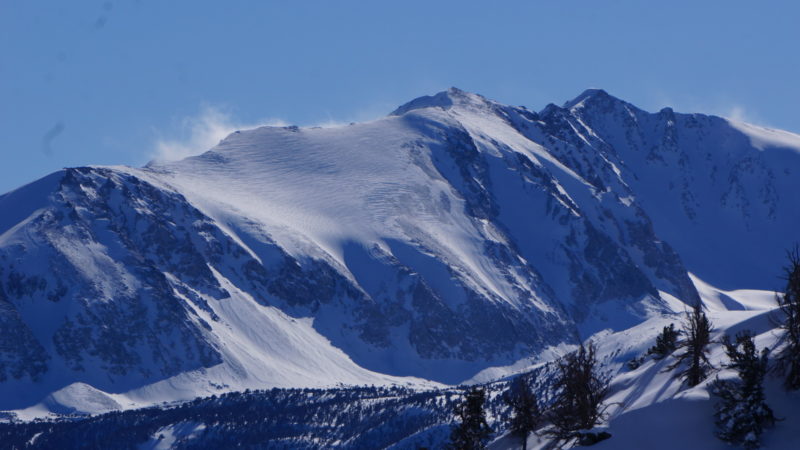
(578, 391)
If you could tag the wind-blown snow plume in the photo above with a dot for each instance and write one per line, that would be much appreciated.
(202, 132)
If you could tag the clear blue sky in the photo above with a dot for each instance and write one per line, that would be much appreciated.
(108, 82)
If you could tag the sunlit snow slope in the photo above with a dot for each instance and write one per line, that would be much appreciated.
(454, 235)
(652, 407)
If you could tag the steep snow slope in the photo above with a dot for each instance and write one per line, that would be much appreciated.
(112, 294)
(437, 194)
(453, 236)
(720, 192)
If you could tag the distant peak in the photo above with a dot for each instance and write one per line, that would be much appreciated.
(445, 100)
(592, 95)
(455, 92)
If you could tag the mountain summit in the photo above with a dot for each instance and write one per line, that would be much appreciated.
(453, 237)
(593, 96)
(451, 98)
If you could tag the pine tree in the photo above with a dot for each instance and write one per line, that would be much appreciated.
(526, 414)
(697, 332)
(789, 357)
(666, 342)
(580, 388)
(472, 432)
(741, 412)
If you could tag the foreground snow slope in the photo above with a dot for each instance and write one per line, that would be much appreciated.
(651, 407)
(656, 410)
(454, 236)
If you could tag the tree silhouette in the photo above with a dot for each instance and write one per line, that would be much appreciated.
(742, 413)
(526, 415)
(666, 342)
(788, 359)
(472, 432)
(697, 337)
(580, 389)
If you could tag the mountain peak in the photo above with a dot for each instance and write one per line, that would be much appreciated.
(445, 100)
(592, 95)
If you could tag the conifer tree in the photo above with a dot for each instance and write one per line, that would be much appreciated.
(741, 412)
(472, 432)
(666, 342)
(697, 337)
(526, 415)
(789, 357)
(580, 388)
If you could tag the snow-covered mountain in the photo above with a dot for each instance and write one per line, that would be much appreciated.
(453, 236)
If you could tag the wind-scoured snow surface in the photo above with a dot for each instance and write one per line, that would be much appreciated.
(456, 239)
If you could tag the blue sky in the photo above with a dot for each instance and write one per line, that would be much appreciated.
(119, 82)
